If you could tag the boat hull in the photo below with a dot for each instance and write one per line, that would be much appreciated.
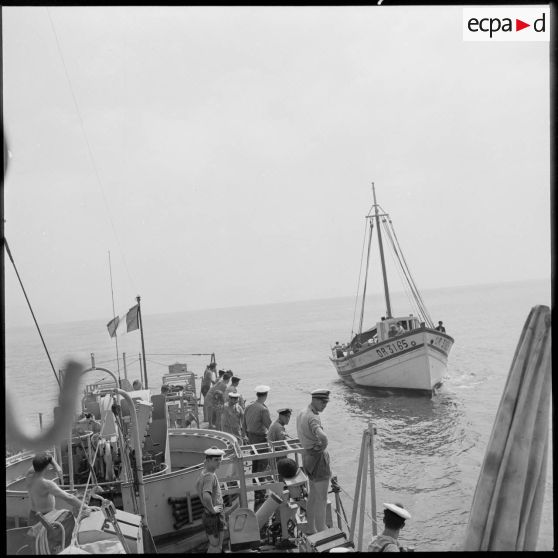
(415, 361)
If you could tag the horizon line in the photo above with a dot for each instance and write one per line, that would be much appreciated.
(238, 306)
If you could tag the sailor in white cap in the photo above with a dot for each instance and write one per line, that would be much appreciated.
(315, 459)
(256, 423)
(277, 429)
(217, 395)
(394, 520)
(209, 493)
(235, 380)
(232, 418)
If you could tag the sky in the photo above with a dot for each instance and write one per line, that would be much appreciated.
(224, 156)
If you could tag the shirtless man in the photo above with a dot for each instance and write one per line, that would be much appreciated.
(43, 492)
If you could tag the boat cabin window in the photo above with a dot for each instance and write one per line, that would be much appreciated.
(409, 323)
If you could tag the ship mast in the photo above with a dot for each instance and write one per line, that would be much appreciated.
(371, 225)
(386, 288)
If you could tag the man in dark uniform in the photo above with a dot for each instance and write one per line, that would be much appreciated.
(277, 429)
(256, 423)
(441, 327)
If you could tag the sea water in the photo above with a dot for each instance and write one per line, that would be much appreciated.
(428, 450)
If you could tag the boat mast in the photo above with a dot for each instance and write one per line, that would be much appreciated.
(366, 274)
(114, 316)
(386, 288)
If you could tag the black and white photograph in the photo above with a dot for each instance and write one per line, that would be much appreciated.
(277, 278)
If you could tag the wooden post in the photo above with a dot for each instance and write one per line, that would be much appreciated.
(41, 421)
(70, 461)
(357, 490)
(140, 319)
(58, 454)
(372, 480)
(89, 456)
(363, 496)
(242, 480)
(338, 508)
(124, 363)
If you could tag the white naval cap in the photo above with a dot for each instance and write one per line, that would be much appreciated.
(214, 451)
(262, 389)
(398, 510)
(234, 395)
(321, 394)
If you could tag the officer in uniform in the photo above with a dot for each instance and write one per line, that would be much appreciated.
(277, 429)
(256, 423)
(315, 459)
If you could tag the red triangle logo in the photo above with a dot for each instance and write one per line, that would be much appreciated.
(519, 25)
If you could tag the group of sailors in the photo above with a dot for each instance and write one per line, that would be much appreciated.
(315, 464)
(256, 427)
(225, 409)
(251, 423)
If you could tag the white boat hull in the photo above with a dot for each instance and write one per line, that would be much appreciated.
(416, 361)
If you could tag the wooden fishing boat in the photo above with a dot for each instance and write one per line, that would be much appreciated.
(400, 351)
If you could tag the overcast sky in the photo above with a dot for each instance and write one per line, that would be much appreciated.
(224, 156)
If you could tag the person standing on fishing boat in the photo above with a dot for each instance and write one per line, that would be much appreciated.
(392, 331)
(42, 492)
(440, 327)
(208, 380)
(315, 459)
(277, 429)
(209, 493)
(232, 419)
(394, 520)
(256, 423)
